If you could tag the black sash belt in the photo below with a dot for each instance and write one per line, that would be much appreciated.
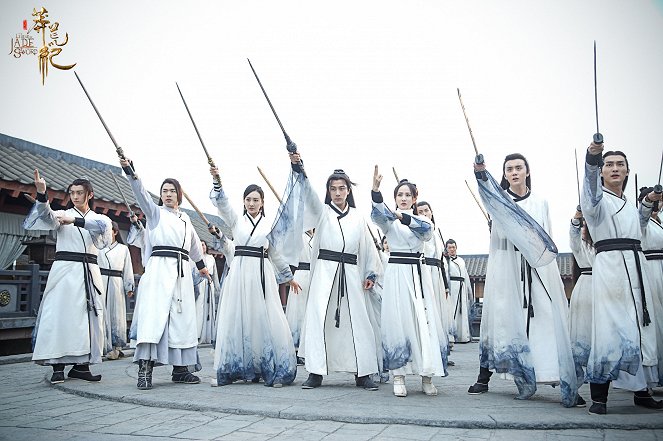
(304, 266)
(653, 254)
(259, 252)
(457, 278)
(409, 259)
(175, 252)
(432, 261)
(342, 258)
(586, 271)
(110, 272)
(632, 245)
(86, 260)
(459, 301)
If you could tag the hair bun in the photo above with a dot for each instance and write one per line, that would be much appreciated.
(339, 171)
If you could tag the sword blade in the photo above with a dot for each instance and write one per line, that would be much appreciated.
(287, 138)
(462, 106)
(195, 127)
(660, 169)
(117, 147)
(596, 93)
(575, 152)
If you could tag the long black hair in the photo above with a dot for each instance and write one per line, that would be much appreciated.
(250, 189)
(87, 185)
(617, 153)
(432, 216)
(178, 189)
(339, 174)
(504, 183)
(413, 189)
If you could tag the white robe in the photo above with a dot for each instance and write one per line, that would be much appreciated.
(462, 299)
(206, 302)
(295, 310)
(116, 257)
(652, 244)
(165, 297)
(434, 248)
(69, 329)
(622, 347)
(524, 323)
(350, 346)
(253, 337)
(410, 319)
(580, 308)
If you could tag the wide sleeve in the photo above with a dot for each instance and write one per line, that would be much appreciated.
(127, 271)
(147, 205)
(299, 212)
(381, 215)
(645, 210)
(575, 238)
(196, 251)
(592, 189)
(41, 217)
(222, 204)
(516, 224)
(281, 267)
(419, 225)
(100, 229)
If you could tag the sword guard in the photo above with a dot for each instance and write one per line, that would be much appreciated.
(479, 159)
(291, 146)
(658, 189)
(598, 138)
(579, 208)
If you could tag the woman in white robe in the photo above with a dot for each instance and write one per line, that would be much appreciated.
(70, 322)
(338, 335)
(118, 277)
(165, 313)
(524, 323)
(410, 319)
(253, 339)
(580, 307)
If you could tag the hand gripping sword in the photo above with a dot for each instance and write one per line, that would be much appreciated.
(126, 203)
(479, 156)
(598, 138)
(290, 145)
(210, 161)
(130, 171)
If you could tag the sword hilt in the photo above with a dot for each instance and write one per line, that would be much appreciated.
(598, 138)
(479, 159)
(579, 208)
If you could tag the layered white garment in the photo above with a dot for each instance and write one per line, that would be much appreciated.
(462, 298)
(70, 323)
(115, 261)
(165, 313)
(433, 255)
(253, 338)
(295, 310)
(580, 308)
(652, 245)
(524, 323)
(623, 347)
(410, 317)
(206, 301)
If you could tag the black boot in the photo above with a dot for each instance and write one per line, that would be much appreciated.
(144, 374)
(481, 386)
(58, 374)
(181, 374)
(642, 398)
(82, 372)
(365, 382)
(313, 381)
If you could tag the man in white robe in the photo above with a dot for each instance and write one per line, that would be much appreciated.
(623, 347)
(337, 336)
(524, 323)
(460, 290)
(70, 323)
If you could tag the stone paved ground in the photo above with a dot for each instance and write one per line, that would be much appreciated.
(30, 408)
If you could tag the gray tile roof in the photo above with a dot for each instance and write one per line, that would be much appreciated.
(59, 169)
(476, 265)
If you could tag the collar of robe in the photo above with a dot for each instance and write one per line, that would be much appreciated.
(175, 211)
(341, 213)
(622, 197)
(79, 212)
(518, 198)
(255, 222)
(453, 257)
